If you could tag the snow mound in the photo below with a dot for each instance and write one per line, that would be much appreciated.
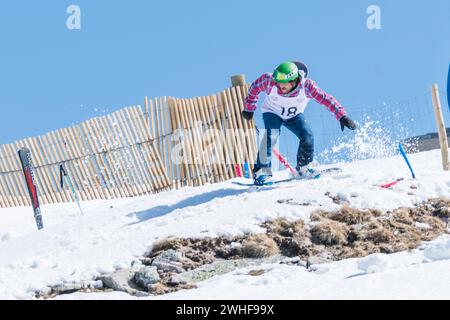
(438, 251)
(6, 237)
(375, 263)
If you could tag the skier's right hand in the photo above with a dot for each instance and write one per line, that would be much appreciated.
(247, 115)
(347, 122)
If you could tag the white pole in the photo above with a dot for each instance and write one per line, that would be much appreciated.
(441, 127)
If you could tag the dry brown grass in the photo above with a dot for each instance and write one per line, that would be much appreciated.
(346, 215)
(379, 235)
(350, 215)
(318, 215)
(286, 228)
(329, 233)
(294, 247)
(439, 207)
(165, 244)
(436, 224)
(402, 215)
(259, 246)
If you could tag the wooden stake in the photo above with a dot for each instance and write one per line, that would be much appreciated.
(168, 142)
(152, 120)
(147, 113)
(441, 127)
(238, 80)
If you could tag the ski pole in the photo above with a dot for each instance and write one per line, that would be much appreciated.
(63, 173)
(284, 162)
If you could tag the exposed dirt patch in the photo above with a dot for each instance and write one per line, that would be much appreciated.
(331, 235)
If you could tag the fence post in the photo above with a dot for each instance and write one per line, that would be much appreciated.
(441, 127)
(238, 80)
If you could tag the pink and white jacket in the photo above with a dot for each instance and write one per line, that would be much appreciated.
(292, 103)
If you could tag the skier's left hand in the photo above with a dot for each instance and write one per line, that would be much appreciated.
(247, 115)
(347, 122)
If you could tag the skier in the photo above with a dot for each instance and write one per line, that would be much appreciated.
(288, 92)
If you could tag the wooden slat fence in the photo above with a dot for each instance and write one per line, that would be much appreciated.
(131, 152)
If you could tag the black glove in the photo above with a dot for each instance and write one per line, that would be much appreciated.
(347, 122)
(247, 115)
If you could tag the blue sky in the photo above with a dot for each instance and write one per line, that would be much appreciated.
(52, 77)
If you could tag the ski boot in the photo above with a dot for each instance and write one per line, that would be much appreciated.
(263, 177)
(307, 173)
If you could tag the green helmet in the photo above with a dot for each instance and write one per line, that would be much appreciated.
(286, 72)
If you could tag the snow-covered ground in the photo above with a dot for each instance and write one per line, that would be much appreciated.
(112, 234)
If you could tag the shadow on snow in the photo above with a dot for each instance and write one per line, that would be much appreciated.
(185, 203)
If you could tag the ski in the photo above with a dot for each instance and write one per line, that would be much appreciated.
(27, 166)
(321, 173)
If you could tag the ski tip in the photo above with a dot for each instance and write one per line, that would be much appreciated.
(24, 149)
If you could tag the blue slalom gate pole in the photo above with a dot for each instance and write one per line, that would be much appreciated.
(448, 87)
(246, 171)
(402, 151)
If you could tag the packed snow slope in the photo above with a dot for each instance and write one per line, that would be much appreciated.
(111, 234)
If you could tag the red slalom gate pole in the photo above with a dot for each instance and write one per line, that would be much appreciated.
(238, 171)
(284, 162)
(388, 185)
